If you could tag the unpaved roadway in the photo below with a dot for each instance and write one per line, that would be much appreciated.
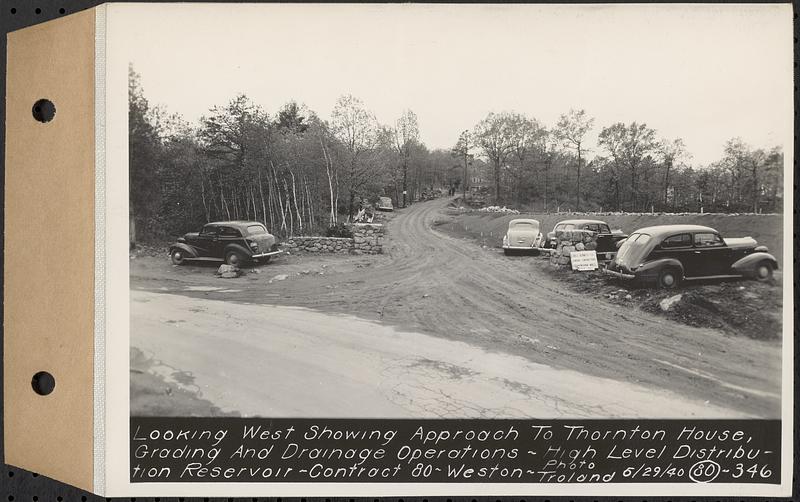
(458, 309)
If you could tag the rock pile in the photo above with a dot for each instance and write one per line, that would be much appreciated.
(498, 209)
(569, 241)
(367, 239)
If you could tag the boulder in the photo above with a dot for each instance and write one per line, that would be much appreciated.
(579, 246)
(228, 271)
(667, 303)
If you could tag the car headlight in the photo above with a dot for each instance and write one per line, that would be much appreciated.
(253, 245)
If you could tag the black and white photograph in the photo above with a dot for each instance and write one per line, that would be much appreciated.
(459, 212)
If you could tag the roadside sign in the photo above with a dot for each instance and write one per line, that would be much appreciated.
(583, 260)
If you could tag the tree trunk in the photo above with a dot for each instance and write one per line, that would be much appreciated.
(263, 204)
(329, 172)
(578, 182)
(497, 181)
(405, 181)
(667, 165)
(296, 209)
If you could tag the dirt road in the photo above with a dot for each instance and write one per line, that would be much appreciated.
(306, 363)
(428, 282)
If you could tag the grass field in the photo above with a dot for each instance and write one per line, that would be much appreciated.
(767, 229)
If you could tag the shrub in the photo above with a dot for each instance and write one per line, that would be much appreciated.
(339, 230)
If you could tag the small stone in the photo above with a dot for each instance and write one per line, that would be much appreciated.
(280, 277)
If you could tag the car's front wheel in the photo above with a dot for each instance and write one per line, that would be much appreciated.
(763, 271)
(234, 258)
(669, 278)
(178, 257)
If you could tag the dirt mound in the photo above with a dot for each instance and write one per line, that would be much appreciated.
(752, 309)
(743, 308)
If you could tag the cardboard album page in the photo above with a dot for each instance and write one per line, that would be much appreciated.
(402, 250)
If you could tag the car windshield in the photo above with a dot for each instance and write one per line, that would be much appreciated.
(633, 250)
(256, 229)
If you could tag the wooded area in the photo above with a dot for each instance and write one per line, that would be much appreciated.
(301, 174)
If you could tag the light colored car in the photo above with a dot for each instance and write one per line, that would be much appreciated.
(523, 235)
(385, 204)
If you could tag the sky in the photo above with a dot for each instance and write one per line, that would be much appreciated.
(704, 73)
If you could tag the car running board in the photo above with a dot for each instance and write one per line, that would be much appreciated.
(702, 278)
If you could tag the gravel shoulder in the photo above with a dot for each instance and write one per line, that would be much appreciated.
(447, 286)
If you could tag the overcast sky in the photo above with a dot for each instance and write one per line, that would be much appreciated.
(705, 73)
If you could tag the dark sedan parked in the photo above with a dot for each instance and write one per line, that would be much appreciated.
(234, 242)
(669, 254)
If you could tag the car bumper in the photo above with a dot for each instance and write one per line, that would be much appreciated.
(264, 255)
(619, 275)
(521, 248)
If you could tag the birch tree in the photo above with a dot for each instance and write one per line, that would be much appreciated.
(571, 129)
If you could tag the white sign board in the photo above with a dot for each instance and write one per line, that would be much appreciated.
(583, 260)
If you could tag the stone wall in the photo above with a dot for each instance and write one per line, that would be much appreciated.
(313, 244)
(569, 241)
(367, 239)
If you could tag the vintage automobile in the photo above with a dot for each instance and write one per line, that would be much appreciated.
(235, 242)
(668, 254)
(607, 240)
(522, 235)
(384, 204)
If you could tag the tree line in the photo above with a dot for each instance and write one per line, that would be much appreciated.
(293, 171)
(633, 168)
(301, 174)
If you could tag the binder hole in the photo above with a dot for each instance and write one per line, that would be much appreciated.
(38, 10)
(13, 10)
(44, 110)
(62, 10)
(43, 383)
